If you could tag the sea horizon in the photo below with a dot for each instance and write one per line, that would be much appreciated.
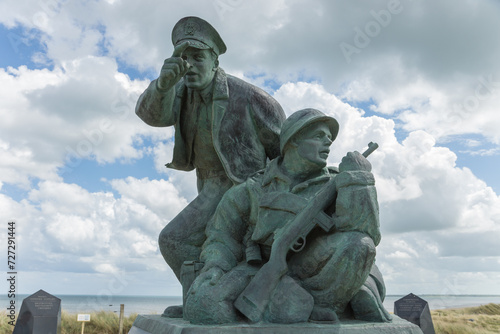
(150, 304)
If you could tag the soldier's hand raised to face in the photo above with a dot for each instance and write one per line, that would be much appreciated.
(173, 68)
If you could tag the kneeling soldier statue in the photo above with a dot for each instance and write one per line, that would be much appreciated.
(296, 241)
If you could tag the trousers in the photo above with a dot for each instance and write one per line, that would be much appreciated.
(182, 238)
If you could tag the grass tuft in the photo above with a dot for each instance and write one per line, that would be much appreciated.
(100, 323)
(484, 319)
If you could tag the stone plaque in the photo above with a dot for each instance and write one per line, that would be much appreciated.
(415, 310)
(40, 314)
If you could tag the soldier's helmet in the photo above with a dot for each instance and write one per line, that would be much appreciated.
(199, 33)
(302, 118)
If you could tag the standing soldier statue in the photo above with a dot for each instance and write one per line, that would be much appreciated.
(225, 128)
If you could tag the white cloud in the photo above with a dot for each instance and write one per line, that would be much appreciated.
(420, 188)
(421, 57)
(82, 110)
(106, 268)
(185, 182)
(63, 227)
(431, 74)
(483, 152)
(160, 196)
(398, 255)
(414, 177)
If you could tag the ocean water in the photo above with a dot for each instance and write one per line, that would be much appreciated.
(78, 304)
(133, 304)
(75, 304)
(437, 302)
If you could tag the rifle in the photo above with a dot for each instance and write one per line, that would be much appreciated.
(252, 302)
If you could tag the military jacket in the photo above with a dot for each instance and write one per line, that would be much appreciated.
(251, 212)
(246, 123)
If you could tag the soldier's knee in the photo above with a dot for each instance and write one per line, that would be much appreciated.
(355, 245)
(364, 245)
(163, 237)
(166, 238)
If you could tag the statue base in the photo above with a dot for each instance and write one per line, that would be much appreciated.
(155, 324)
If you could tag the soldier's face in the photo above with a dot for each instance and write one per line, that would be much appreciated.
(202, 72)
(313, 144)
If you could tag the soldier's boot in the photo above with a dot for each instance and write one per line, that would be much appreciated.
(189, 271)
(174, 311)
(323, 315)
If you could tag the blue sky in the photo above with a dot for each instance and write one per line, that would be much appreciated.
(84, 177)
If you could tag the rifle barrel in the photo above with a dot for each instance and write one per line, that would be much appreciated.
(371, 147)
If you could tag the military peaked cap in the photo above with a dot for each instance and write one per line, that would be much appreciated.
(199, 33)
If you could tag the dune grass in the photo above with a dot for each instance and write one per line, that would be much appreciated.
(4, 324)
(483, 319)
(101, 323)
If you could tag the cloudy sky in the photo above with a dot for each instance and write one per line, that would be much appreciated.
(84, 178)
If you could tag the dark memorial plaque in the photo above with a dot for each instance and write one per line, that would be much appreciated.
(40, 314)
(415, 310)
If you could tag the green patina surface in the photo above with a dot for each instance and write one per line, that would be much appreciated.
(274, 236)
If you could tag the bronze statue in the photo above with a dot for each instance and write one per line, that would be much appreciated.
(275, 236)
(225, 128)
(328, 216)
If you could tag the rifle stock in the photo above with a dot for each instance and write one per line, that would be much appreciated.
(253, 301)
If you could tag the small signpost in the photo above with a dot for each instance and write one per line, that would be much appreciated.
(122, 310)
(83, 318)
